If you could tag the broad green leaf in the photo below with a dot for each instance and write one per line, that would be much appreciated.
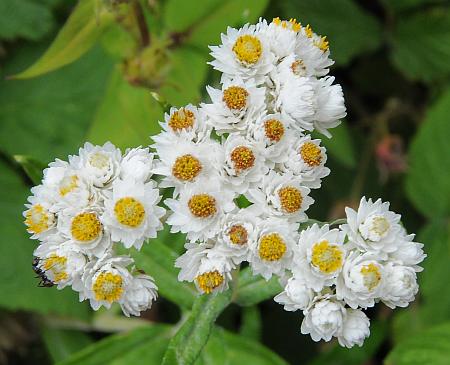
(186, 346)
(202, 24)
(251, 323)
(253, 289)
(46, 118)
(158, 259)
(428, 347)
(421, 45)
(123, 348)
(32, 167)
(127, 116)
(350, 30)
(77, 36)
(18, 286)
(428, 180)
(30, 19)
(62, 343)
(340, 146)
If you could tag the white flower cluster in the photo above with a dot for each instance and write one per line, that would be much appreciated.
(251, 144)
(82, 209)
(338, 272)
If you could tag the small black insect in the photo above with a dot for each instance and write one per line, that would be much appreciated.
(45, 281)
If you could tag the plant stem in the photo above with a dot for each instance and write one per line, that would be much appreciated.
(141, 23)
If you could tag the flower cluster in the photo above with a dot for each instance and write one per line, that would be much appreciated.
(82, 209)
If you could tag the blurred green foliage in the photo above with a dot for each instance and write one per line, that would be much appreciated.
(106, 56)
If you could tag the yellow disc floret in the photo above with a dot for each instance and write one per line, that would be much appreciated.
(202, 205)
(68, 184)
(57, 265)
(238, 235)
(129, 212)
(371, 276)
(271, 247)
(108, 287)
(311, 154)
(328, 258)
(99, 160)
(308, 31)
(38, 219)
(186, 168)
(380, 225)
(243, 158)
(209, 281)
(287, 24)
(290, 199)
(85, 227)
(181, 119)
(235, 97)
(322, 44)
(274, 130)
(248, 49)
(298, 68)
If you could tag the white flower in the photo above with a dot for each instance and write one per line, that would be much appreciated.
(324, 319)
(199, 209)
(98, 164)
(244, 52)
(186, 123)
(409, 253)
(281, 36)
(281, 195)
(185, 162)
(137, 163)
(296, 295)
(40, 221)
(319, 256)
(362, 280)
(235, 106)
(306, 159)
(355, 329)
(140, 295)
(202, 264)
(374, 228)
(401, 287)
(243, 163)
(131, 212)
(272, 253)
(291, 67)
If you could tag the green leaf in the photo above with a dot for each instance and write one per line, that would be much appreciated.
(30, 19)
(32, 167)
(76, 37)
(350, 30)
(186, 345)
(17, 283)
(253, 289)
(126, 348)
(429, 347)
(421, 45)
(157, 259)
(62, 343)
(428, 180)
(341, 145)
(127, 116)
(47, 117)
(251, 323)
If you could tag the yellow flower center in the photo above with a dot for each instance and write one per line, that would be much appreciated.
(371, 276)
(327, 257)
(271, 247)
(186, 168)
(99, 160)
(274, 130)
(86, 227)
(322, 44)
(129, 212)
(311, 154)
(243, 158)
(108, 286)
(290, 198)
(238, 235)
(202, 205)
(57, 265)
(68, 184)
(298, 68)
(209, 281)
(181, 119)
(248, 49)
(235, 97)
(308, 31)
(289, 24)
(37, 219)
(380, 226)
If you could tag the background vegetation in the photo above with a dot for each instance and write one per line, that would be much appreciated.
(94, 83)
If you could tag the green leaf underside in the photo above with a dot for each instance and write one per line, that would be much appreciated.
(77, 36)
(251, 323)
